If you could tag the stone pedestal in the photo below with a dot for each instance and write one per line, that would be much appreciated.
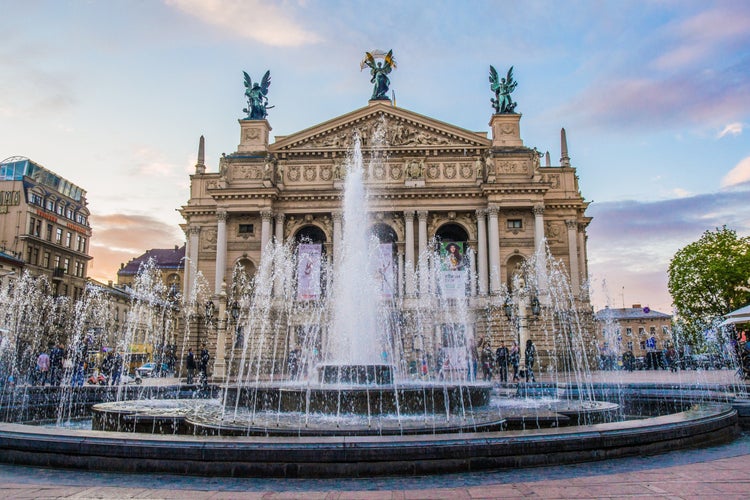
(506, 130)
(253, 136)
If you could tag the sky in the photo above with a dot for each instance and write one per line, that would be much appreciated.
(654, 96)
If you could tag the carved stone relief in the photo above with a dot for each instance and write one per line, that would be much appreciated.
(208, 238)
(466, 170)
(310, 173)
(449, 170)
(433, 171)
(553, 231)
(396, 172)
(293, 173)
(553, 179)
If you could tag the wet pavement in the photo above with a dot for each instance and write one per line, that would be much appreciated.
(721, 471)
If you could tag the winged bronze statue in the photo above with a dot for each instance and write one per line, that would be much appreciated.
(502, 87)
(257, 100)
(379, 72)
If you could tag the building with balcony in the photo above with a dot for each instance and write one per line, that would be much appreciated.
(44, 221)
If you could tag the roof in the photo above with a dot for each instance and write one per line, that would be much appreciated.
(741, 315)
(18, 167)
(629, 313)
(10, 259)
(165, 258)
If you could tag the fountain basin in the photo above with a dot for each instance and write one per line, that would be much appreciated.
(351, 456)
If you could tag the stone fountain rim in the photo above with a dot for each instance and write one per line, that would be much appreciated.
(351, 456)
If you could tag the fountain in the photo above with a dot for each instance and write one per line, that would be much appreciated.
(349, 406)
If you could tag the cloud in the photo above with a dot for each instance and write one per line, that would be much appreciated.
(631, 242)
(265, 22)
(695, 69)
(121, 237)
(701, 36)
(734, 129)
(740, 174)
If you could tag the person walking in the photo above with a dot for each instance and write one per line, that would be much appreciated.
(116, 369)
(501, 359)
(515, 360)
(530, 354)
(190, 364)
(43, 366)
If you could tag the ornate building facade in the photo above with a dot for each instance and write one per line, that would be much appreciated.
(503, 201)
(44, 220)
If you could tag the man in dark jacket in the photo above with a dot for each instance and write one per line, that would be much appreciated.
(501, 359)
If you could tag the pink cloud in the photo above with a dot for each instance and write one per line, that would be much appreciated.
(121, 237)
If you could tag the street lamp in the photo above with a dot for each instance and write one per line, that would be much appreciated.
(234, 311)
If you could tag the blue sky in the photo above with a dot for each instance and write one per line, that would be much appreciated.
(654, 96)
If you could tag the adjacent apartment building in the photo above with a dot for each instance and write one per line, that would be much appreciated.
(44, 222)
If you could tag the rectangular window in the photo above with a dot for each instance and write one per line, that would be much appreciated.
(60, 209)
(69, 214)
(66, 265)
(629, 332)
(641, 331)
(83, 245)
(665, 330)
(50, 205)
(32, 223)
(652, 330)
(58, 236)
(57, 262)
(68, 239)
(515, 223)
(35, 256)
(45, 260)
(643, 345)
(246, 229)
(630, 345)
(50, 230)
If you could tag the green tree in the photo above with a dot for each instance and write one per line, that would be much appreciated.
(707, 278)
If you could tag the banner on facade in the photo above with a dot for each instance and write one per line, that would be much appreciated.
(308, 271)
(382, 271)
(454, 269)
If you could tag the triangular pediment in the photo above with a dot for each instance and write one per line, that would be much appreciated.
(381, 125)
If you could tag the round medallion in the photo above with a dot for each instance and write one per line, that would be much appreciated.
(310, 173)
(433, 171)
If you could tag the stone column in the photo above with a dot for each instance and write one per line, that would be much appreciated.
(400, 277)
(494, 248)
(195, 232)
(423, 262)
(575, 282)
(278, 285)
(482, 270)
(338, 218)
(221, 248)
(279, 233)
(472, 270)
(409, 253)
(540, 247)
(265, 230)
(186, 279)
(582, 256)
(220, 364)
